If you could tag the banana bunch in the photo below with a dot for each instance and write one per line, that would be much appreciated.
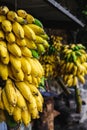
(57, 42)
(73, 64)
(49, 65)
(22, 37)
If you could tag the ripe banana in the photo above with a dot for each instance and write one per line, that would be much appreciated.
(10, 37)
(4, 10)
(15, 62)
(21, 42)
(29, 33)
(20, 20)
(3, 51)
(30, 19)
(38, 30)
(22, 13)
(81, 78)
(40, 48)
(6, 26)
(39, 40)
(26, 52)
(1, 102)
(2, 17)
(30, 44)
(75, 80)
(18, 30)
(21, 103)
(26, 67)
(11, 92)
(28, 78)
(14, 49)
(12, 16)
(2, 36)
(25, 90)
(17, 114)
(26, 117)
(8, 107)
(3, 71)
(39, 103)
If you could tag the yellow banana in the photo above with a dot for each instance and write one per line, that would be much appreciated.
(18, 76)
(26, 52)
(21, 20)
(34, 69)
(75, 80)
(39, 40)
(30, 19)
(8, 107)
(28, 78)
(18, 30)
(40, 48)
(39, 103)
(15, 62)
(2, 36)
(38, 30)
(25, 90)
(2, 18)
(11, 92)
(17, 114)
(10, 37)
(26, 67)
(1, 101)
(6, 26)
(26, 117)
(4, 10)
(21, 103)
(30, 44)
(81, 78)
(22, 13)
(14, 49)
(12, 16)
(70, 82)
(75, 70)
(35, 82)
(3, 43)
(29, 33)
(70, 67)
(33, 108)
(3, 71)
(3, 51)
(21, 42)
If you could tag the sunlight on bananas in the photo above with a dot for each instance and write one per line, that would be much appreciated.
(73, 64)
(22, 40)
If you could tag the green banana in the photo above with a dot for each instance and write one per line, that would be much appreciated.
(35, 54)
(38, 22)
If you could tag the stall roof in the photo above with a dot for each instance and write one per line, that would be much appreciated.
(59, 13)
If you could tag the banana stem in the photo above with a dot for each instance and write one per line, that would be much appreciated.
(78, 99)
(67, 92)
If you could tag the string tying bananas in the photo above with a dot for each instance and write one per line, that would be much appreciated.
(22, 37)
(73, 64)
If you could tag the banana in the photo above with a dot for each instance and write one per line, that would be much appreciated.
(17, 114)
(22, 13)
(6, 26)
(1, 102)
(4, 10)
(8, 107)
(71, 65)
(21, 20)
(30, 44)
(2, 36)
(26, 67)
(18, 30)
(38, 22)
(35, 91)
(2, 18)
(81, 78)
(46, 44)
(3, 43)
(11, 92)
(21, 42)
(18, 76)
(26, 52)
(3, 71)
(28, 78)
(26, 117)
(35, 82)
(70, 82)
(38, 30)
(75, 70)
(14, 49)
(75, 80)
(65, 78)
(12, 16)
(3, 51)
(39, 40)
(10, 37)
(15, 62)
(29, 33)
(25, 90)
(30, 19)
(41, 48)
(39, 103)
(21, 103)
(33, 108)
(45, 36)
